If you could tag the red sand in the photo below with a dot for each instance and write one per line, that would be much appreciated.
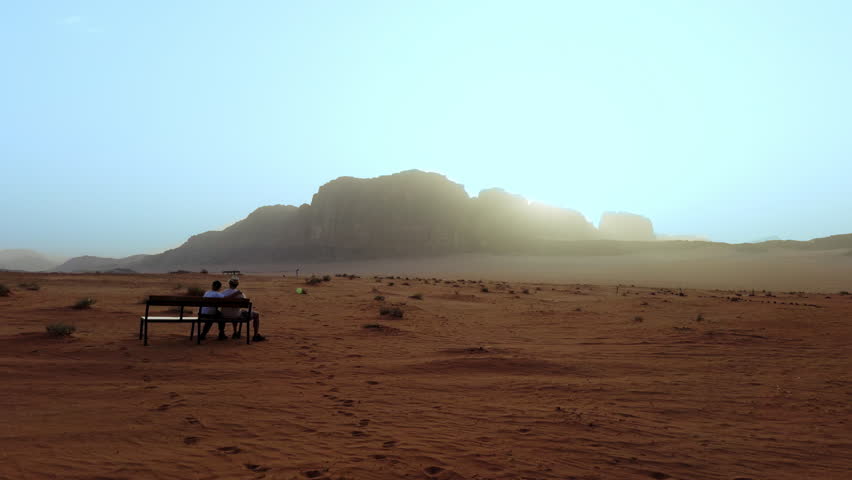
(563, 382)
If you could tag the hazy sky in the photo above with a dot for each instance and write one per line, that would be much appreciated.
(125, 127)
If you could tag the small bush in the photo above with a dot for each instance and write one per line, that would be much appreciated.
(313, 280)
(4, 291)
(60, 330)
(30, 286)
(84, 303)
(526, 291)
(326, 278)
(379, 298)
(204, 271)
(417, 296)
(374, 326)
(638, 319)
(844, 292)
(484, 290)
(699, 317)
(194, 292)
(390, 284)
(395, 312)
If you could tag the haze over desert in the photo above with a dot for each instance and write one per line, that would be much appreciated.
(442, 240)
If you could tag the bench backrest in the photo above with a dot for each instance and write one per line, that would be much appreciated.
(183, 301)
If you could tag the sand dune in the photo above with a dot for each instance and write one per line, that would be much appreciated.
(567, 381)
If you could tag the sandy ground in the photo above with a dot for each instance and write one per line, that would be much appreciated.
(565, 382)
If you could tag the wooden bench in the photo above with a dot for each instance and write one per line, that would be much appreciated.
(197, 320)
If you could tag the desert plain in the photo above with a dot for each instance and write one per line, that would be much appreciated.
(526, 380)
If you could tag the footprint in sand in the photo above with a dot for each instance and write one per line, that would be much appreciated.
(312, 474)
(432, 471)
(364, 423)
(192, 421)
(191, 440)
(389, 444)
(358, 433)
(256, 468)
(163, 407)
(230, 450)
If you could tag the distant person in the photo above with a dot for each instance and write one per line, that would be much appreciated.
(213, 312)
(232, 312)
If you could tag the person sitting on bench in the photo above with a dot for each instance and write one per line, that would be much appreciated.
(230, 312)
(213, 312)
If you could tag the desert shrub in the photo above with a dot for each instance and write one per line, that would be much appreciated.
(390, 284)
(313, 280)
(395, 312)
(204, 271)
(699, 317)
(4, 290)
(417, 296)
(578, 309)
(60, 329)
(30, 286)
(180, 272)
(373, 326)
(638, 319)
(194, 292)
(844, 292)
(84, 303)
(484, 289)
(326, 278)
(379, 298)
(406, 283)
(526, 291)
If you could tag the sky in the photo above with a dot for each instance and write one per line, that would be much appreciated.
(126, 127)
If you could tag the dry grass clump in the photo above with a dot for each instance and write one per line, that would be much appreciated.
(60, 329)
(313, 280)
(326, 278)
(84, 303)
(417, 296)
(379, 298)
(194, 292)
(4, 290)
(395, 312)
(484, 289)
(638, 319)
(30, 286)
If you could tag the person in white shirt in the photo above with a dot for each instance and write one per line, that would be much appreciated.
(231, 312)
(213, 312)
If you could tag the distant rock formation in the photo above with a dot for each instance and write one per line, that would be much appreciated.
(411, 213)
(626, 227)
(26, 260)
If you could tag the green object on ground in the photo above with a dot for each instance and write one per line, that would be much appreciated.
(300, 291)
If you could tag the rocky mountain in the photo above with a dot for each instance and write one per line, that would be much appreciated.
(27, 260)
(412, 213)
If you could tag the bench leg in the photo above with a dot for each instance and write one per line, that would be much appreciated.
(140, 329)
(248, 331)
(192, 331)
(146, 334)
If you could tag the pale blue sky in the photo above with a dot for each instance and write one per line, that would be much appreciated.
(126, 127)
